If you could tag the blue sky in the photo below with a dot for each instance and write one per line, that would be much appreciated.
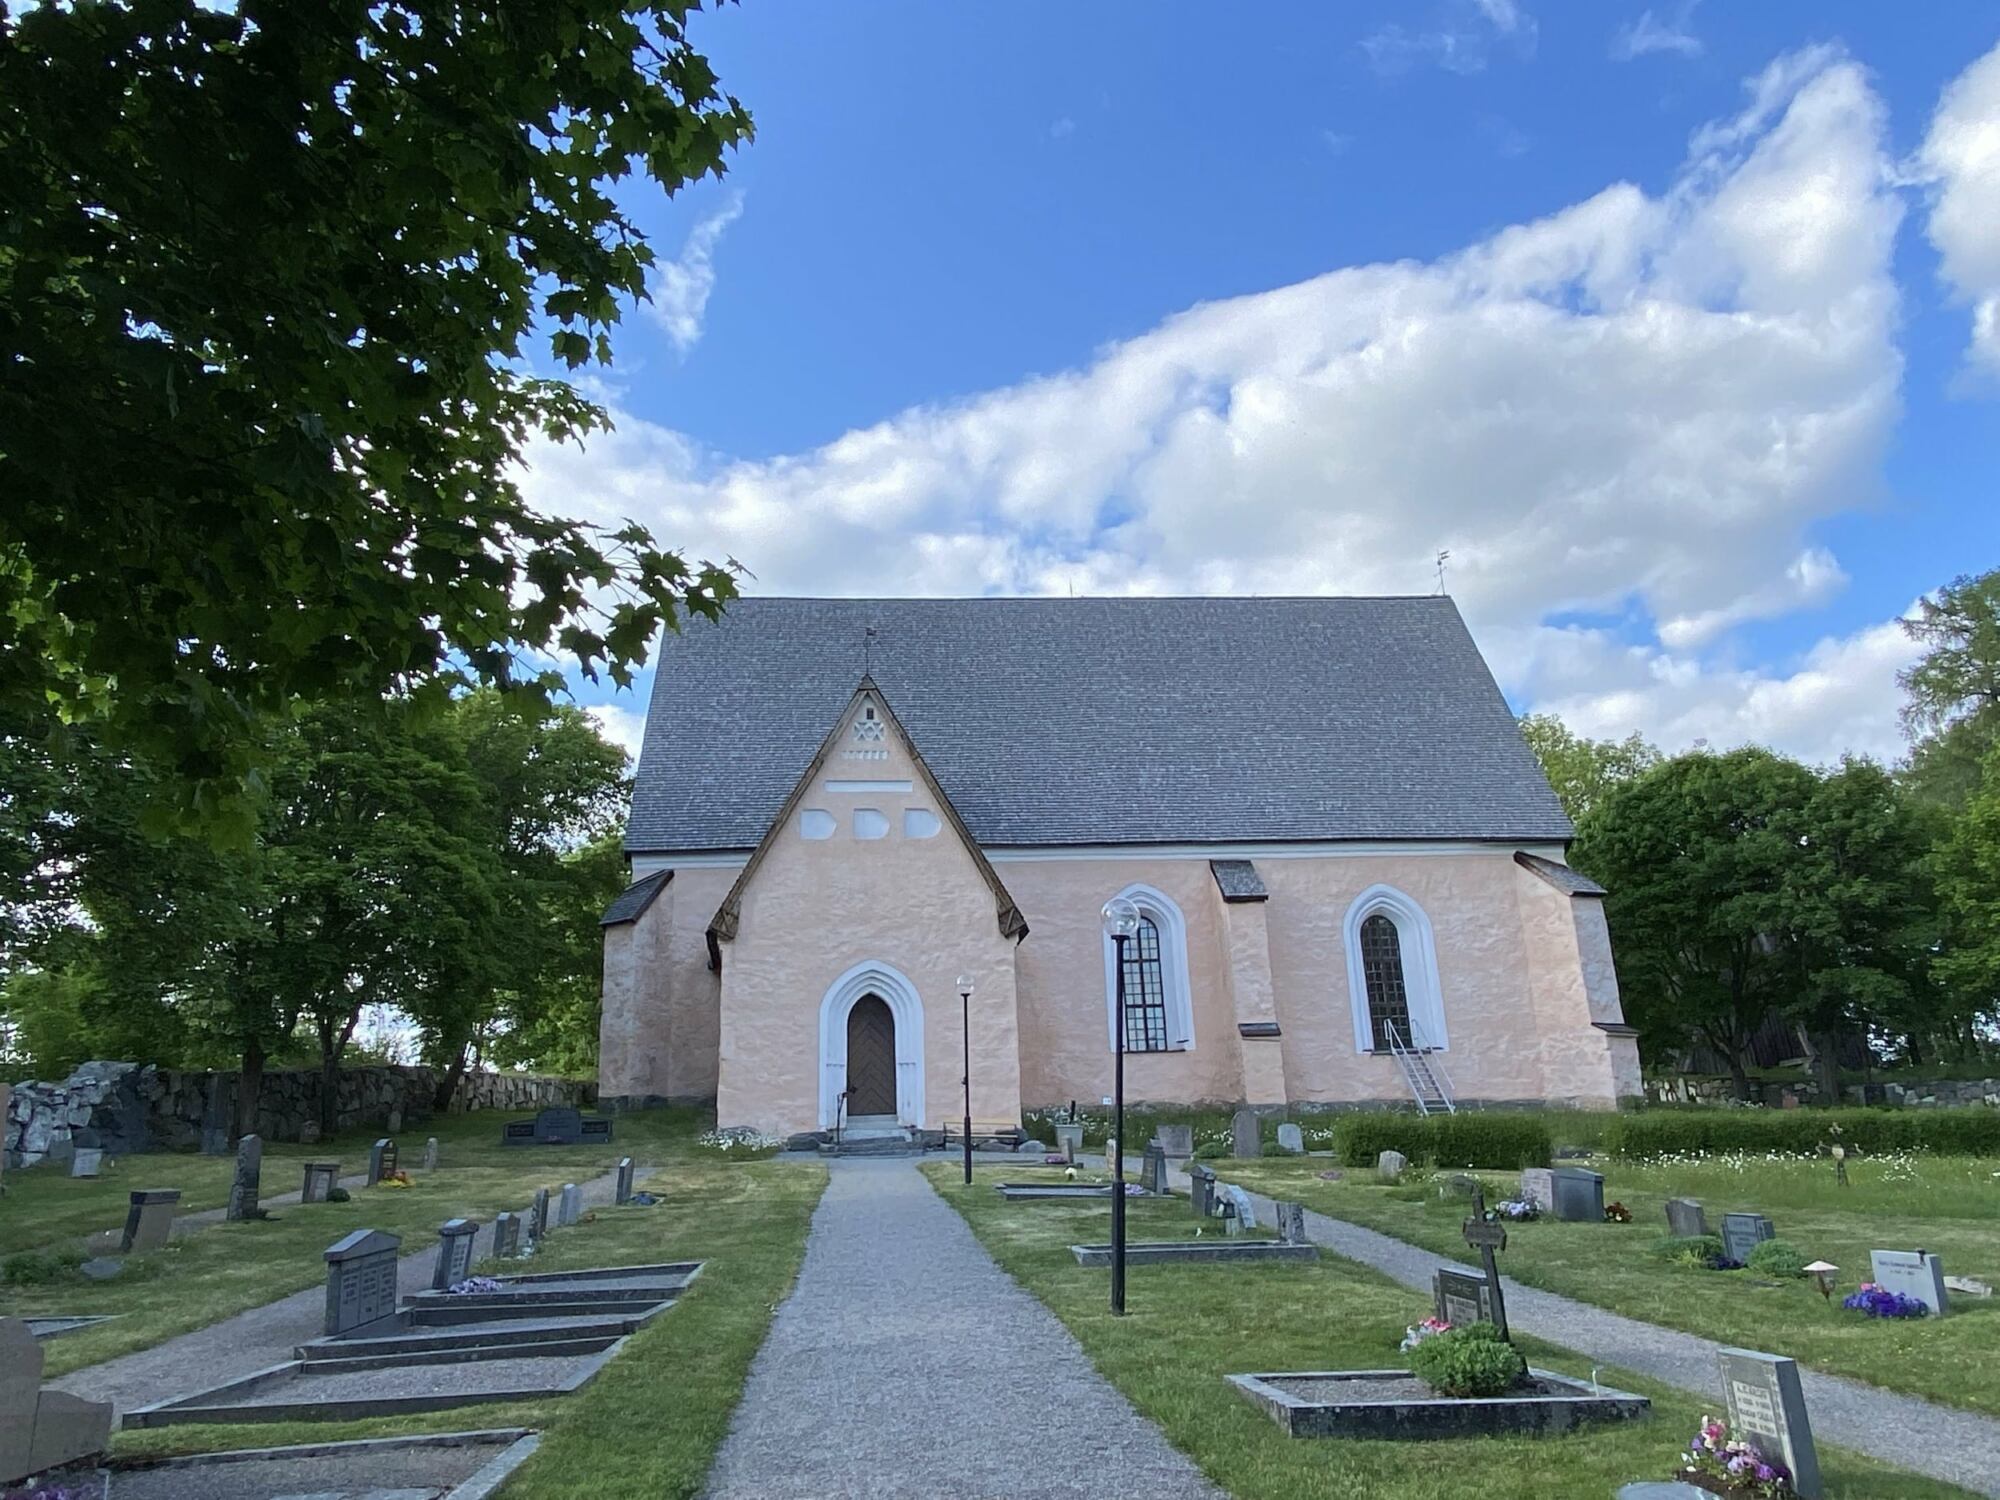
(1665, 321)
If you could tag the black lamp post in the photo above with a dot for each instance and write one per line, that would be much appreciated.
(1121, 921)
(965, 1031)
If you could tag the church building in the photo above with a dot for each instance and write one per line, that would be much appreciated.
(857, 820)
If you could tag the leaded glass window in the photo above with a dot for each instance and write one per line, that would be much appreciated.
(1145, 991)
(1382, 967)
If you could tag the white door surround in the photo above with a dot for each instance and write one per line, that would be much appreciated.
(872, 978)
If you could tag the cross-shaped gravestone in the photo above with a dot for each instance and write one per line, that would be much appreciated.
(1486, 1238)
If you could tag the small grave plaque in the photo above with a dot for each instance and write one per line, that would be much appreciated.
(1686, 1219)
(249, 1170)
(381, 1160)
(86, 1163)
(1391, 1165)
(538, 1217)
(1767, 1407)
(595, 1131)
(1292, 1223)
(1742, 1233)
(624, 1192)
(456, 1238)
(517, 1133)
(1538, 1186)
(1914, 1273)
(1176, 1140)
(319, 1180)
(506, 1235)
(1069, 1141)
(150, 1218)
(1460, 1299)
(1291, 1139)
(1579, 1195)
(431, 1154)
(1245, 1134)
(1201, 1189)
(360, 1280)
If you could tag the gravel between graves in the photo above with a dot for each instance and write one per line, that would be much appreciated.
(465, 1377)
(424, 1471)
(256, 1339)
(907, 1364)
(1959, 1447)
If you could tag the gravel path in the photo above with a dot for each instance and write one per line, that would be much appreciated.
(1960, 1447)
(262, 1336)
(907, 1364)
(194, 1223)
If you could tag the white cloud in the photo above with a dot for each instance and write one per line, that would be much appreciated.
(623, 726)
(680, 288)
(1651, 33)
(1961, 159)
(1460, 39)
(1640, 404)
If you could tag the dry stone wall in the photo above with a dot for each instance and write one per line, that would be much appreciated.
(133, 1108)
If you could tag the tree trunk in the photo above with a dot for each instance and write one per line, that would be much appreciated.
(1739, 1075)
(1826, 1066)
(332, 1043)
(454, 1075)
(250, 1085)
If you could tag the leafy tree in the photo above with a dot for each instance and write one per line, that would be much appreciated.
(1953, 712)
(273, 282)
(552, 1025)
(1583, 771)
(1968, 876)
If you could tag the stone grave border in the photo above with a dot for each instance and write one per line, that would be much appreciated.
(1030, 1192)
(38, 1323)
(520, 1443)
(1438, 1416)
(1183, 1252)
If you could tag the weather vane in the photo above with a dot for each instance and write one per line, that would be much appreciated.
(1442, 558)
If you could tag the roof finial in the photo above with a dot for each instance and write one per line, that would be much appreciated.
(1443, 557)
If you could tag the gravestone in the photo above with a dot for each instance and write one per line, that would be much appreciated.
(1391, 1165)
(569, 1207)
(1243, 1213)
(1914, 1273)
(360, 1280)
(506, 1235)
(1176, 1140)
(309, 1133)
(624, 1191)
(215, 1117)
(1292, 1223)
(1246, 1137)
(1291, 1139)
(456, 1238)
(150, 1219)
(319, 1180)
(87, 1162)
(517, 1132)
(1767, 1408)
(1069, 1141)
(559, 1127)
(1201, 1189)
(1459, 1299)
(1579, 1195)
(249, 1169)
(538, 1217)
(41, 1430)
(381, 1160)
(394, 1122)
(1686, 1219)
(596, 1131)
(1538, 1186)
(1487, 1238)
(1742, 1233)
(431, 1154)
(1153, 1169)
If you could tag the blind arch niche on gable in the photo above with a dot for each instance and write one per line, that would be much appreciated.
(1392, 974)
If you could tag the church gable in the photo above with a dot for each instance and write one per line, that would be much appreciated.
(868, 785)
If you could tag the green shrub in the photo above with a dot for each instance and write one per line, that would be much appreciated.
(1468, 1362)
(1359, 1139)
(1777, 1258)
(337, 1194)
(1690, 1250)
(1500, 1142)
(1971, 1131)
(40, 1267)
(1212, 1150)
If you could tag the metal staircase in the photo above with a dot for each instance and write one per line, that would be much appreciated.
(1423, 1071)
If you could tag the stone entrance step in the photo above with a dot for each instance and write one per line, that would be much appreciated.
(873, 1146)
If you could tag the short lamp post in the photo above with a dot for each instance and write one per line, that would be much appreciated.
(965, 1031)
(1121, 921)
(1823, 1272)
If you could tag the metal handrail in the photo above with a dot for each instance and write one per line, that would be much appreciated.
(839, 1114)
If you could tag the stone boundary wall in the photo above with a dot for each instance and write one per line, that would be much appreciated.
(143, 1108)
(1918, 1093)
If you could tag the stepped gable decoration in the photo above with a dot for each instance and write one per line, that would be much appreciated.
(728, 916)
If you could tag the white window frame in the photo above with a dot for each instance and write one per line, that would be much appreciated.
(1418, 946)
(1166, 916)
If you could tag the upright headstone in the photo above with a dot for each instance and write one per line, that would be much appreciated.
(623, 1193)
(309, 1133)
(431, 1154)
(395, 1121)
(1069, 1140)
(506, 1235)
(1242, 1212)
(1914, 1273)
(41, 1430)
(150, 1218)
(538, 1217)
(1292, 1223)
(215, 1117)
(87, 1162)
(1291, 1139)
(1245, 1134)
(381, 1160)
(559, 1127)
(249, 1170)
(1391, 1165)
(1201, 1189)
(360, 1280)
(1177, 1141)
(1686, 1220)
(1742, 1233)
(456, 1238)
(1767, 1408)
(1538, 1186)
(1579, 1195)
(1153, 1173)
(1459, 1299)
(569, 1206)
(319, 1180)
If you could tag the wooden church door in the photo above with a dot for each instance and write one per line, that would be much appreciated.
(871, 1058)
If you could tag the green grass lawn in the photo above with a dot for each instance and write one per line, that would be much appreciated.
(1188, 1326)
(1949, 1205)
(208, 1275)
(648, 1426)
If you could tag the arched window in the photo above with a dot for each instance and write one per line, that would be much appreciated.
(1158, 1016)
(1392, 975)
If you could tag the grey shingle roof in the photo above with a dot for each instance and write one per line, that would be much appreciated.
(1238, 880)
(1570, 882)
(630, 904)
(1103, 721)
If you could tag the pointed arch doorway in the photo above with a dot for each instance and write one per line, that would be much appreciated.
(871, 1058)
(872, 1019)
